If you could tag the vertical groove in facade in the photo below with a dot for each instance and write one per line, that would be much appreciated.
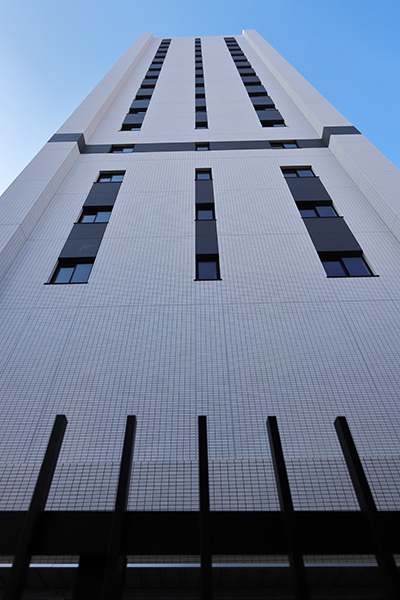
(201, 121)
(263, 105)
(137, 112)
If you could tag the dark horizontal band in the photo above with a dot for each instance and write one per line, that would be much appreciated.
(70, 137)
(343, 130)
(191, 146)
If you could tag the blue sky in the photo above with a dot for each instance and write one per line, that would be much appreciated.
(53, 53)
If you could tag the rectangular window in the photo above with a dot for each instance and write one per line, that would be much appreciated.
(95, 216)
(284, 144)
(202, 174)
(346, 266)
(207, 267)
(72, 272)
(205, 212)
(121, 149)
(110, 177)
(297, 172)
(202, 146)
(316, 210)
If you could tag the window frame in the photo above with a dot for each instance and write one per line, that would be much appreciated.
(293, 172)
(340, 258)
(205, 171)
(208, 258)
(110, 175)
(68, 265)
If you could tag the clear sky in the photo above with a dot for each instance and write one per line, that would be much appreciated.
(53, 53)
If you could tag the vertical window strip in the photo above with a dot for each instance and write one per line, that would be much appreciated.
(207, 253)
(79, 253)
(262, 103)
(137, 112)
(201, 121)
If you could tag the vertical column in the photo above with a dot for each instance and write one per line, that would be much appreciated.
(286, 504)
(204, 501)
(116, 562)
(23, 555)
(384, 557)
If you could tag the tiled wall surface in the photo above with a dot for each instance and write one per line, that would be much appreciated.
(274, 337)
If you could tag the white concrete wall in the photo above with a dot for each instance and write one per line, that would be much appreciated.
(274, 337)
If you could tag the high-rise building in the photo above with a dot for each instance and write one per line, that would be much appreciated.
(205, 235)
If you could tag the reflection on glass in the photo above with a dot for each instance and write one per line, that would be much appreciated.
(64, 275)
(326, 211)
(356, 267)
(334, 268)
(205, 215)
(207, 270)
(307, 212)
(81, 273)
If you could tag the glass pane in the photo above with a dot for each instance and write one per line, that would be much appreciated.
(290, 145)
(117, 178)
(202, 148)
(129, 149)
(305, 173)
(278, 125)
(307, 212)
(88, 218)
(334, 268)
(356, 267)
(64, 275)
(207, 270)
(205, 215)
(290, 174)
(326, 211)
(103, 216)
(203, 175)
(81, 273)
(104, 179)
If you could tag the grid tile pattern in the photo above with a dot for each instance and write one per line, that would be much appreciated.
(274, 337)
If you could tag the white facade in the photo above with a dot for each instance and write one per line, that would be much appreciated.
(274, 337)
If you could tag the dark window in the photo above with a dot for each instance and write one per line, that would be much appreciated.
(110, 177)
(346, 266)
(283, 144)
(131, 127)
(203, 174)
(202, 146)
(202, 125)
(95, 216)
(207, 267)
(72, 273)
(317, 211)
(121, 149)
(298, 172)
(205, 212)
